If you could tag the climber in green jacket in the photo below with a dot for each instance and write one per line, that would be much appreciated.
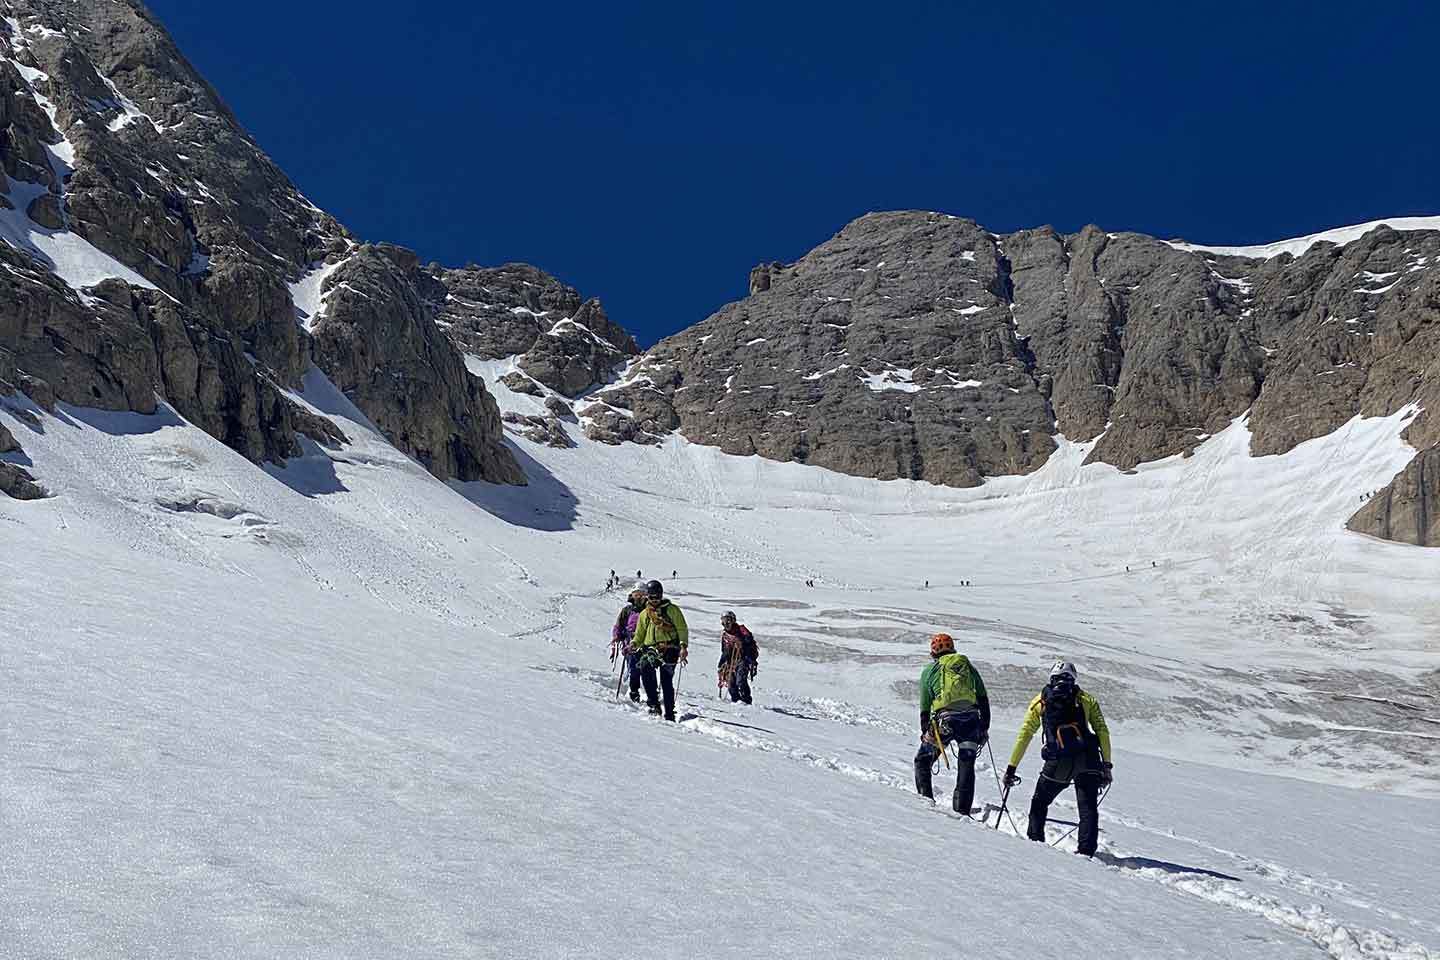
(661, 641)
(954, 708)
(1076, 750)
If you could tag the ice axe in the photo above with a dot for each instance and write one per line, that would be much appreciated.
(935, 735)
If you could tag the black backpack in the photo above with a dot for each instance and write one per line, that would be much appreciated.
(1066, 730)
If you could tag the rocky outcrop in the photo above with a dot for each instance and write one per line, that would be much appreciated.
(564, 341)
(518, 382)
(1408, 509)
(378, 342)
(560, 408)
(609, 425)
(15, 481)
(921, 345)
(547, 430)
(184, 238)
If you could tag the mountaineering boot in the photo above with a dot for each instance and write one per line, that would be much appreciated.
(670, 715)
(655, 709)
(634, 696)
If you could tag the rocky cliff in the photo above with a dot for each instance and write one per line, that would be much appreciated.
(152, 252)
(923, 346)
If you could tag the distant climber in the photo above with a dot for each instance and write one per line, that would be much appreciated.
(622, 634)
(661, 642)
(673, 574)
(739, 658)
(1076, 750)
(954, 708)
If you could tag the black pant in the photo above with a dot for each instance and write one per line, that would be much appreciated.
(632, 665)
(1087, 798)
(648, 670)
(740, 679)
(961, 728)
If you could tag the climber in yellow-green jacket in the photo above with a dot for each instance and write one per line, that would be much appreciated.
(661, 641)
(1076, 750)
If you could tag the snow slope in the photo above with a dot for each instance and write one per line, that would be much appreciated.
(342, 709)
(1298, 246)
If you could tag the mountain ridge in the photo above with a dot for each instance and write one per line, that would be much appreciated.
(155, 254)
(920, 345)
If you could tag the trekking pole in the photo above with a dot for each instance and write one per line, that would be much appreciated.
(621, 679)
(1067, 833)
(1004, 791)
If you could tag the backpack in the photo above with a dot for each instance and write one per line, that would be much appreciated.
(744, 640)
(626, 622)
(957, 684)
(1066, 730)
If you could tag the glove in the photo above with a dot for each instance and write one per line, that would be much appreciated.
(1106, 776)
(684, 655)
(926, 739)
(753, 671)
(1011, 778)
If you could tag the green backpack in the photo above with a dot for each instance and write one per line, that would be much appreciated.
(957, 684)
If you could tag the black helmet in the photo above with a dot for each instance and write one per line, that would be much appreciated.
(728, 616)
(653, 589)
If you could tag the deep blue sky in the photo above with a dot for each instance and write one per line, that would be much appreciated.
(650, 155)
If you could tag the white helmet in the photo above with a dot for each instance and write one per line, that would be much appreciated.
(1064, 667)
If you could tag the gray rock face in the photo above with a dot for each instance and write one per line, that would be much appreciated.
(1408, 510)
(520, 383)
(547, 430)
(565, 342)
(15, 481)
(560, 408)
(377, 341)
(166, 182)
(887, 352)
(919, 345)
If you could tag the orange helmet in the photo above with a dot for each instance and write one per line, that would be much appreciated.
(941, 644)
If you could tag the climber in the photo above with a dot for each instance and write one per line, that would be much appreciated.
(954, 708)
(661, 642)
(1076, 749)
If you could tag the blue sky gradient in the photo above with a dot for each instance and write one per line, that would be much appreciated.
(651, 154)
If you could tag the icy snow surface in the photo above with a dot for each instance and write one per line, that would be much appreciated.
(1296, 247)
(338, 708)
(307, 296)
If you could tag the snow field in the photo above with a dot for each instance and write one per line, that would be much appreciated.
(341, 708)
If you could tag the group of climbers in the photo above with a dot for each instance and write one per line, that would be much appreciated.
(955, 709)
(651, 636)
(651, 640)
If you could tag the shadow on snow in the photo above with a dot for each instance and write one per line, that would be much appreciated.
(546, 504)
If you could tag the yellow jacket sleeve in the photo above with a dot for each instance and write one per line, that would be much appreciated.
(1027, 732)
(678, 618)
(1096, 719)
